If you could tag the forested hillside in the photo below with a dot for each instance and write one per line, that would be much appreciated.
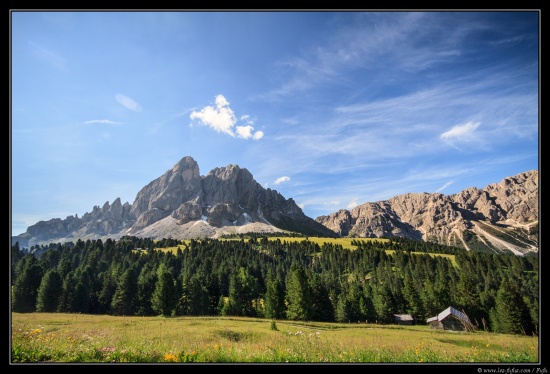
(277, 279)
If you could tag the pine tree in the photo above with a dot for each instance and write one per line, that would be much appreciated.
(197, 299)
(384, 303)
(146, 286)
(274, 297)
(25, 288)
(164, 298)
(16, 256)
(467, 297)
(323, 309)
(125, 298)
(108, 289)
(367, 305)
(243, 289)
(343, 309)
(412, 298)
(49, 292)
(511, 315)
(298, 295)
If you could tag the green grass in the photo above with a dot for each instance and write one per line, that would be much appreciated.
(58, 337)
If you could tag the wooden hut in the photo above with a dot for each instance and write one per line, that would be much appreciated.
(450, 319)
(403, 319)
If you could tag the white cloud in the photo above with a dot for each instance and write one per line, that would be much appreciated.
(128, 103)
(244, 132)
(102, 121)
(222, 119)
(464, 131)
(352, 204)
(282, 179)
(246, 118)
(444, 186)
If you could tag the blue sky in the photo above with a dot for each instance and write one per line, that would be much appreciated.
(332, 109)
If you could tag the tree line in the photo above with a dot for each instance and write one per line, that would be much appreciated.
(276, 279)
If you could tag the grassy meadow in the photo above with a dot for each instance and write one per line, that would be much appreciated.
(79, 338)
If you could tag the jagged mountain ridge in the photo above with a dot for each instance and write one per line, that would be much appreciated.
(502, 217)
(183, 204)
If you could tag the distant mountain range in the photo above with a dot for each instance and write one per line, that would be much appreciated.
(182, 204)
(502, 217)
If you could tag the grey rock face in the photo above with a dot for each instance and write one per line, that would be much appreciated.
(165, 194)
(183, 204)
(507, 213)
(226, 196)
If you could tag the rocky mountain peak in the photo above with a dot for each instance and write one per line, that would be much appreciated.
(183, 204)
(502, 217)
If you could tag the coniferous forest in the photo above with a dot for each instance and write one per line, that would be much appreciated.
(276, 279)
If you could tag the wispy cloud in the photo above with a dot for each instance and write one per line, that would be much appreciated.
(102, 121)
(49, 56)
(222, 119)
(460, 132)
(282, 180)
(128, 103)
(406, 42)
(444, 186)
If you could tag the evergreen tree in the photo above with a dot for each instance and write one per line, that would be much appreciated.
(274, 297)
(511, 315)
(468, 298)
(412, 298)
(164, 298)
(194, 299)
(323, 309)
(108, 289)
(343, 309)
(298, 294)
(67, 293)
(81, 298)
(49, 292)
(16, 256)
(146, 286)
(25, 288)
(125, 298)
(64, 267)
(243, 289)
(367, 305)
(354, 296)
(384, 303)
(430, 300)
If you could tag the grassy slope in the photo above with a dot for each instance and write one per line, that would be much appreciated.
(58, 337)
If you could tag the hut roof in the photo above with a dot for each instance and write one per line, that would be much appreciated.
(403, 317)
(448, 312)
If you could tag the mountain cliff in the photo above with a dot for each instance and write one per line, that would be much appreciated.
(502, 217)
(183, 204)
